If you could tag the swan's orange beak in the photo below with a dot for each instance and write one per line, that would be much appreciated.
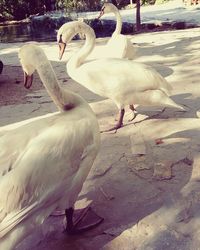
(28, 80)
(101, 13)
(62, 47)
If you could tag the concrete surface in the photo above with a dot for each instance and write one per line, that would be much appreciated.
(145, 180)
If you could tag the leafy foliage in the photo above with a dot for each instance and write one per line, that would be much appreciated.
(19, 9)
(78, 5)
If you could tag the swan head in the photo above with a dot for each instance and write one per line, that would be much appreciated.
(30, 56)
(107, 8)
(67, 31)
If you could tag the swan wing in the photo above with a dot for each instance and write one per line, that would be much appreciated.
(14, 138)
(131, 50)
(44, 170)
(119, 77)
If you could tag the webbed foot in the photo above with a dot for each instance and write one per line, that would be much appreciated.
(81, 220)
(119, 123)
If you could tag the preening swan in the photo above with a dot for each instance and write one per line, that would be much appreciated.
(124, 81)
(118, 46)
(45, 162)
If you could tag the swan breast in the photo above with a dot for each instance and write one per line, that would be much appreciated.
(117, 46)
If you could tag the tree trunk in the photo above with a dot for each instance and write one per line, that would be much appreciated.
(138, 19)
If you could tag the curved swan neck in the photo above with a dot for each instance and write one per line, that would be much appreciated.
(118, 28)
(63, 99)
(77, 59)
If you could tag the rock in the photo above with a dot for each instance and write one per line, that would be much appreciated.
(179, 25)
(105, 28)
(137, 143)
(163, 170)
(151, 26)
(138, 163)
(1, 67)
(166, 25)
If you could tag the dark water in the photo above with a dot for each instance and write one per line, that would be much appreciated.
(43, 28)
(24, 32)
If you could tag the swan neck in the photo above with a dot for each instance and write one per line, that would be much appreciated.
(82, 54)
(63, 99)
(118, 28)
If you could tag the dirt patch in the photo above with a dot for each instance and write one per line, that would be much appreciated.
(12, 90)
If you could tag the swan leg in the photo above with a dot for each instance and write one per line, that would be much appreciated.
(81, 220)
(134, 112)
(119, 123)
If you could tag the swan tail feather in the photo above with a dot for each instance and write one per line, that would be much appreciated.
(168, 102)
(14, 219)
(175, 105)
(165, 86)
(48, 204)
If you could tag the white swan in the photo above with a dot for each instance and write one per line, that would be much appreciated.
(124, 81)
(118, 46)
(43, 163)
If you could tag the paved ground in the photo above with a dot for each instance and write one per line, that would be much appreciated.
(145, 181)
